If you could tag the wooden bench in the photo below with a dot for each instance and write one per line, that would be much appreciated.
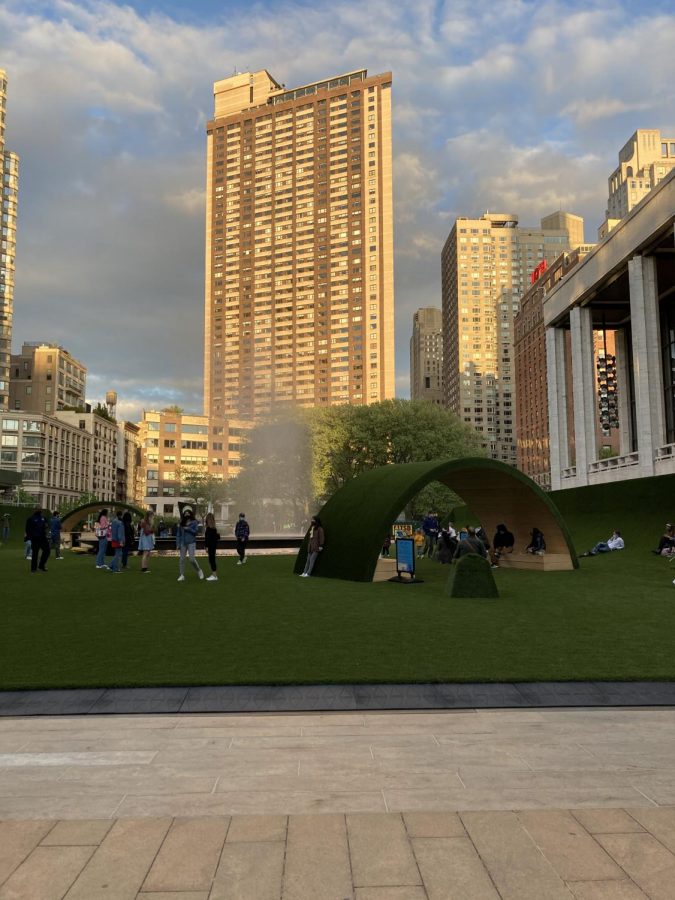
(549, 562)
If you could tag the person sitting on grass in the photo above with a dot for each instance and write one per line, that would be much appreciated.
(666, 545)
(615, 542)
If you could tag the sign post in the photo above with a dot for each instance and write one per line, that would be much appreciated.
(405, 561)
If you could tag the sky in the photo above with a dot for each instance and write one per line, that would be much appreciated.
(514, 106)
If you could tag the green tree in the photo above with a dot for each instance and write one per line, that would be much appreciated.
(204, 490)
(347, 440)
(174, 410)
(102, 411)
(87, 497)
(274, 486)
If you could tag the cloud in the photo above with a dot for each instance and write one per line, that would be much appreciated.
(510, 105)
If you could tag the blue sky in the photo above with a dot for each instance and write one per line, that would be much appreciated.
(516, 106)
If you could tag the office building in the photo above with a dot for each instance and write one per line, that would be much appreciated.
(54, 458)
(426, 355)
(626, 285)
(173, 443)
(45, 378)
(9, 194)
(299, 298)
(486, 266)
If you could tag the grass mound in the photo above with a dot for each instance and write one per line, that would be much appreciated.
(471, 577)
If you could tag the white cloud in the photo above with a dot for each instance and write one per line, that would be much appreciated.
(508, 105)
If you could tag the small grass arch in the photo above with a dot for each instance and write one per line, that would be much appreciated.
(74, 516)
(359, 515)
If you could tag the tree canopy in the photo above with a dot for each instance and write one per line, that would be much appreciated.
(294, 462)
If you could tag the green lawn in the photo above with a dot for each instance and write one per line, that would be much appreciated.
(612, 619)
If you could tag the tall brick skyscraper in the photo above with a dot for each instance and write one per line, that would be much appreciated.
(9, 191)
(299, 301)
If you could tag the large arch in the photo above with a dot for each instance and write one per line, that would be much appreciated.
(74, 516)
(357, 517)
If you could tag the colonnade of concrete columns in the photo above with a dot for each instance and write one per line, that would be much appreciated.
(649, 425)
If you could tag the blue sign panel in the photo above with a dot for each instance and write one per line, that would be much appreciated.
(405, 555)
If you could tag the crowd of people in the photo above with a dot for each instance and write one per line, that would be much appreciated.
(118, 533)
(447, 543)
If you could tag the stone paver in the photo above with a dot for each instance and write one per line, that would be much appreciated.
(188, 857)
(452, 870)
(46, 874)
(380, 852)
(249, 871)
(436, 805)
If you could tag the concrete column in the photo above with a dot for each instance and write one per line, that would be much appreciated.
(623, 391)
(557, 404)
(583, 390)
(647, 375)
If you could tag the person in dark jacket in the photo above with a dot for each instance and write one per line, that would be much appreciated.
(503, 542)
(242, 533)
(315, 545)
(537, 543)
(211, 538)
(431, 529)
(471, 544)
(36, 533)
(117, 540)
(128, 538)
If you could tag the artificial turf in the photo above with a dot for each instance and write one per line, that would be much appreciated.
(74, 626)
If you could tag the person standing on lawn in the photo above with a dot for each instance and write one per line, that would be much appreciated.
(315, 545)
(55, 533)
(242, 533)
(146, 541)
(36, 533)
(186, 541)
(102, 532)
(128, 538)
(117, 541)
(211, 538)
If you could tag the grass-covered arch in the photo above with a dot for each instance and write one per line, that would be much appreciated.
(75, 516)
(359, 515)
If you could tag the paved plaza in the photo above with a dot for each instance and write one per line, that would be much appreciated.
(512, 804)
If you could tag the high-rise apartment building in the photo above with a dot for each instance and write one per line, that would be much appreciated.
(9, 193)
(426, 355)
(173, 443)
(644, 161)
(486, 268)
(46, 378)
(299, 299)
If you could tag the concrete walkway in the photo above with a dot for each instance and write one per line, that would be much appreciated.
(511, 804)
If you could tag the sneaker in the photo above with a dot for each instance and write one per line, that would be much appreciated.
(145, 571)
(200, 574)
(212, 578)
(304, 575)
(245, 559)
(239, 562)
(181, 578)
(101, 567)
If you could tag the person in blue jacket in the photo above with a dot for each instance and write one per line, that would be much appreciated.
(431, 528)
(186, 542)
(55, 533)
(117, 540)
(36, 533)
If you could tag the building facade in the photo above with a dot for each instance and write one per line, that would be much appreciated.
(128, 463)
(9, 195)
(174, 443)
(485, 269)
(426, 355)
(299, 298)
(103, 456)
(644, 161)
(532, 430)
(53, 457)
(626, 285)
(45, 378)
